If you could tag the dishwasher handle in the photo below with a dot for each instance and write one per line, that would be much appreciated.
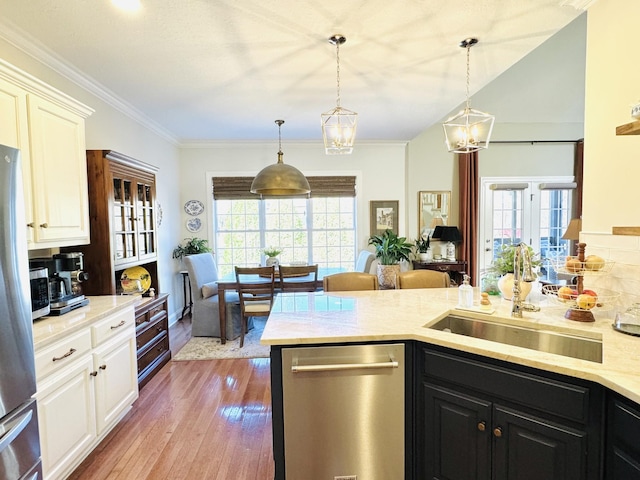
(392, 363)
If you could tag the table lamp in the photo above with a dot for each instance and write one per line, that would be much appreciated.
(451, 235)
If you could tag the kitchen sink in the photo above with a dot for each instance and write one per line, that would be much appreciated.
(568, 345)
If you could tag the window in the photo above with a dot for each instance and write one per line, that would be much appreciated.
(321, 229)
(534, 211)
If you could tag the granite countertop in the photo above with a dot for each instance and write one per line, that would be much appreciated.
(313, 318)
(47, 330)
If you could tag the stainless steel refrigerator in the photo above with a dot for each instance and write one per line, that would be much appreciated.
(19, 442)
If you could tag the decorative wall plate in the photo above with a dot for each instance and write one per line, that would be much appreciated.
(194, 207)
(194, 225)
(135, 280)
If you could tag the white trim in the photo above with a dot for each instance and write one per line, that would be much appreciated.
(35, 49)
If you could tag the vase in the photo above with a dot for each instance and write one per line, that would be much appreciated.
(387, 276)
(505, 284)
(272, 261)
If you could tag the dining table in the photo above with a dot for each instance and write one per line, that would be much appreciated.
(229, 283)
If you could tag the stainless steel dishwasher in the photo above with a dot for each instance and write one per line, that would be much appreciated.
(344, 412)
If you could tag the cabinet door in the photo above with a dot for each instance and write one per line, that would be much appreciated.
(117, 379)
(134, 219)
(15, 133)
(530, 448)
(457, 436)
(66, 417)
(145, 220)
(59, 172)
(623, 432)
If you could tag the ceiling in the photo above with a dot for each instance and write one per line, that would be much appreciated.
(205, 70)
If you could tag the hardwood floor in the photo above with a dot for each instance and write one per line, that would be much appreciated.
(206, 419)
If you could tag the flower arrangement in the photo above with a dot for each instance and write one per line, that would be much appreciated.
(503, 263)
(422, 244)
(272, 251)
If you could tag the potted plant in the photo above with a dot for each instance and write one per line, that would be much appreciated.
(272, 253)
(423, 248)
(191, 246)
(390, 250)
(503, 265)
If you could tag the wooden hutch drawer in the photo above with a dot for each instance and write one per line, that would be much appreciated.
(152, 337)
(153, 358)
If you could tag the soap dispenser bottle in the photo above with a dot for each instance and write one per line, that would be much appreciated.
(465, 293)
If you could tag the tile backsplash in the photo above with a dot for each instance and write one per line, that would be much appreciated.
(624, 276)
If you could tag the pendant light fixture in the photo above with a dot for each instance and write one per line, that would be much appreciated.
(469, 130)
(339, 124)
(280, 179)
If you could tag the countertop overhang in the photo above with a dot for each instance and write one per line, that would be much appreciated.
(47, 330)
(393, 315)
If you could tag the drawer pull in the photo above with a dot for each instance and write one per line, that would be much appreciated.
(118, 325)
(497, 432)
(69, 353)
(482, 426)
(94, 373)
(103, 367)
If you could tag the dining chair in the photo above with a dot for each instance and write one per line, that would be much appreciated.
(422, 279)
(364, 261)
(255, 292)
(205, 319)
(298, 278)
(349, 282)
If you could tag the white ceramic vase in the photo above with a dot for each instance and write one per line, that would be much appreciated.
(505, 285)
(272, 261)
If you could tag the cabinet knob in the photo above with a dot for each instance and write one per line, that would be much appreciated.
(30, 225)
(497, 432)
(44, 225)
(93, 374)
(482, 426)
(102, 367)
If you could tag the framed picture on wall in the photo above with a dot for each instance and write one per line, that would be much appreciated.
(384, 216)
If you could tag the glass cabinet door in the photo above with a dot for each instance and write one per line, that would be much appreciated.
(124, 219)
(145, 220)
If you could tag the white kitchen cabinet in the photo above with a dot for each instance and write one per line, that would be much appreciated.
(48, 127)
(15, 133)
(86, 382)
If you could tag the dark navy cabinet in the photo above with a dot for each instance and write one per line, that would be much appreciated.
(485, 419)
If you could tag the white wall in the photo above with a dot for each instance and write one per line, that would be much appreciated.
(612, 163)
(110, 129)
(380, 171)
(540, 98)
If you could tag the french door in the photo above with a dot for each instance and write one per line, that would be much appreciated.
(533, 210)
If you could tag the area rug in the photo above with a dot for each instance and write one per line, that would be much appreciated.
(209, 348)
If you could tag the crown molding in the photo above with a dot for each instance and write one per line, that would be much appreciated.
(35, 49)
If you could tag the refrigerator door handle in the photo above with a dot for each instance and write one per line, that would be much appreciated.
(15, 428)
(392, 363)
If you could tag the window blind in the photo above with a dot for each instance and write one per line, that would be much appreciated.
(237, 188)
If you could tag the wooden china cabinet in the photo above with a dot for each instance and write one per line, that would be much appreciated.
(122, 215)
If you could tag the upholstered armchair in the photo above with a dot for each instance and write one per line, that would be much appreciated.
(205, 317)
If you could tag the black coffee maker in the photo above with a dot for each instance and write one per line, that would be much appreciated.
(65, 278)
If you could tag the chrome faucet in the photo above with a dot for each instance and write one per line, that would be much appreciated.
(521, 256)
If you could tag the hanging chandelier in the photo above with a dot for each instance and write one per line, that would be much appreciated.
(469, 130)
(339, 124)
(280, 179)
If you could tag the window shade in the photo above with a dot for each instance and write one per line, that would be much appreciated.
(508, 186)
(236, 188)
(558, 186)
